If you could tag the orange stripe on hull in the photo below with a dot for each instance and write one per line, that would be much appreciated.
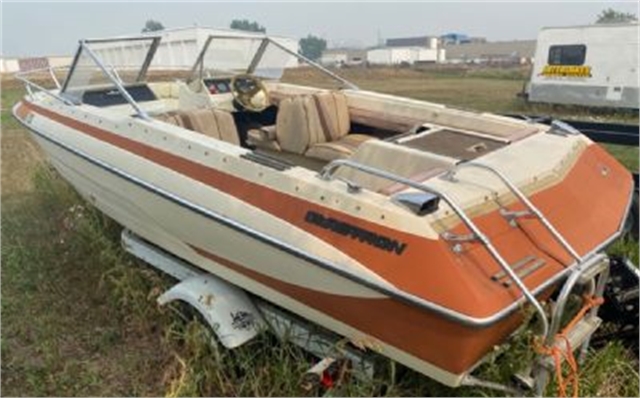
(22, 111)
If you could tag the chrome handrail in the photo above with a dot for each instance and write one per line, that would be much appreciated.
(516, 191)
(22, 76)
(327, 172)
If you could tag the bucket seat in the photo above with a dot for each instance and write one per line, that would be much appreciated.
(315, 125)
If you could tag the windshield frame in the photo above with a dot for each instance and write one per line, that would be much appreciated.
(111, 75)
(197, 70)
(84, 45)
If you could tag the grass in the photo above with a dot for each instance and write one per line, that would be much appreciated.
(79, 314)
(625, 155)
(64, 330)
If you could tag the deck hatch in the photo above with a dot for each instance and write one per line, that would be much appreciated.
(454, 144)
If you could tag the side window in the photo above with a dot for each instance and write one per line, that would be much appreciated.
(567, 55)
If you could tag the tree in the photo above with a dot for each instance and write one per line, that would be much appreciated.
(244, 24)
(152, 26)
(312, 46)
(612, 16)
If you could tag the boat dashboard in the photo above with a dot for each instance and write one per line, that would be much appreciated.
(217, 86)
(110, 96)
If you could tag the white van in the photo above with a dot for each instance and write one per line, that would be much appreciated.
(595, 65)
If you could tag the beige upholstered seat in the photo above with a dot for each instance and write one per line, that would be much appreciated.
(297, 127)
(211, 122)
(409, 163)
(171, 118)
(333, 114)
(314, 125)
(340, 149)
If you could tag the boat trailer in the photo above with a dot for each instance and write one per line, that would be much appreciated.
(236, 317)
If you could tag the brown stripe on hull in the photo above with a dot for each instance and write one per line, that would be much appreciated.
(427, 268)
(425, 335)
(22, 111)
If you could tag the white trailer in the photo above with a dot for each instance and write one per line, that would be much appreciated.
(392, 55)
(408, 55)
(595, 65)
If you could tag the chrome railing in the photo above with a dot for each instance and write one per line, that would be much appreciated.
(523, 198)
(584, 267)
(327, 174)
(26, 78)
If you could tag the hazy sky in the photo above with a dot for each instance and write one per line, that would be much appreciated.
(48, 28)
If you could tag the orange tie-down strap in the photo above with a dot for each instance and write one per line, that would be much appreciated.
(557, 353)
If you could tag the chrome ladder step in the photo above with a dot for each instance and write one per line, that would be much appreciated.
(523, 268)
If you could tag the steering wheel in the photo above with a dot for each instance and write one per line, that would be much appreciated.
(250, 92)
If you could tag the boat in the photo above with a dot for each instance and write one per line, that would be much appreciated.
(420, 231)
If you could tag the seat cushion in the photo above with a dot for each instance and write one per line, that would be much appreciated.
(419, 177)
(227, 129)
(334, 114)
(202, 121)
(340, 149)
(210, 122)
(297, 124)
(393, 158)
(264, 137)
(171, 118)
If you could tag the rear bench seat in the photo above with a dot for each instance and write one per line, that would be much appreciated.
(214, 123)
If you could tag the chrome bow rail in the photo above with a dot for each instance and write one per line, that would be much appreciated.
(32, 87)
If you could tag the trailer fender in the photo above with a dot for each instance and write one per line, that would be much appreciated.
(226, 308)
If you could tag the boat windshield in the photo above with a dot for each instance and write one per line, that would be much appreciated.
(99, 62)
(262, 56)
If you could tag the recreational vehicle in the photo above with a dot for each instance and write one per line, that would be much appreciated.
(595, 65)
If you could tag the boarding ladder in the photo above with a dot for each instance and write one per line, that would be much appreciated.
(582, 271)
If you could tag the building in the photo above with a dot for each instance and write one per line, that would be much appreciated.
(500, 52)
(407, 50)
(421, 41)
(343, 56)
(404, 55)
(460, 38)
(24, 64)
(179, 47)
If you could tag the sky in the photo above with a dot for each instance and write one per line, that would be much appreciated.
(54, 28)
